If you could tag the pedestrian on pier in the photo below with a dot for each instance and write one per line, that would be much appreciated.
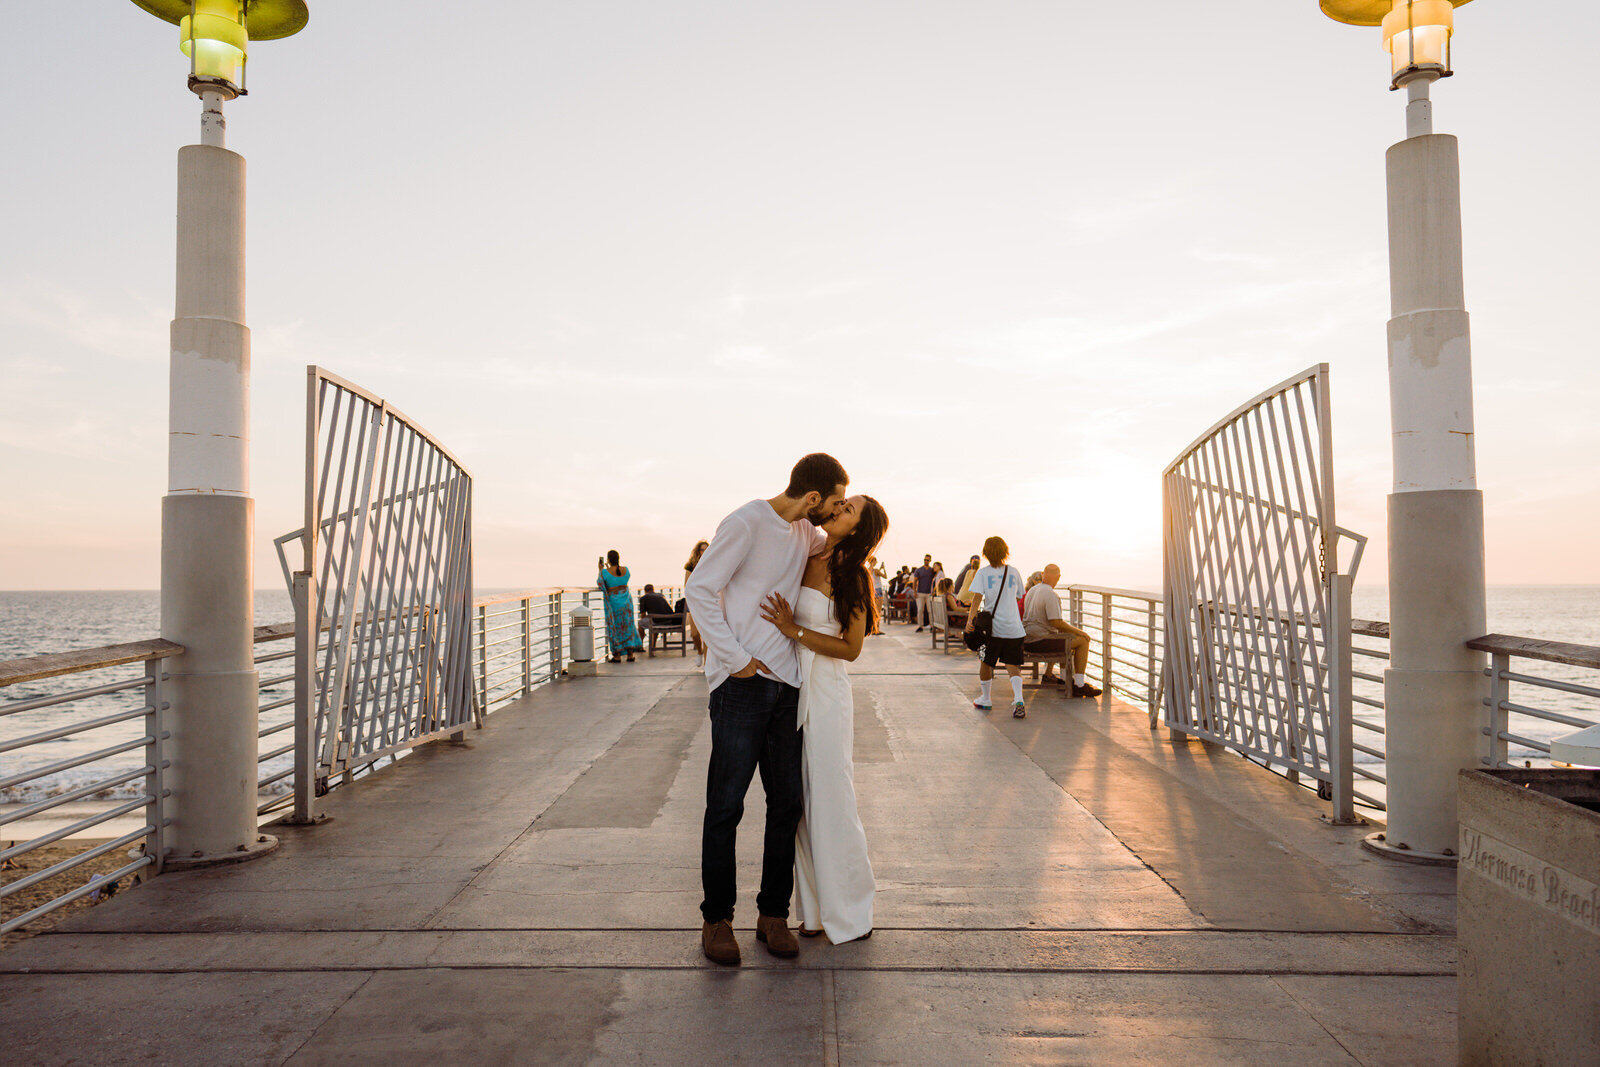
(688, 616)
(1049, 633)
(622, 633)
(996, 594)
(922, 583)
(753, 672)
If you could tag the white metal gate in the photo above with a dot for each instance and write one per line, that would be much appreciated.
(1257, 612)
(384, 587)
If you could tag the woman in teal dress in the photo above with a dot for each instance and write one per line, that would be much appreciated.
(622, 633)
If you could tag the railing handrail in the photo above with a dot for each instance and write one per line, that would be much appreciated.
(1573, 655)
(1369, 628)
(277, 631)
(526, 594)
(1132, 594)
(33, 668)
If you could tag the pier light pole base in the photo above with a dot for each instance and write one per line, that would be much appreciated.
(1433, 689)
(208, 525)
(1379, 843)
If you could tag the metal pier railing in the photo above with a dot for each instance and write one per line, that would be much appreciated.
(1125, 628)
(126, 715)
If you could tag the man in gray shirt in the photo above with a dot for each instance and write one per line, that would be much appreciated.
(753, 672)
(1047, 631)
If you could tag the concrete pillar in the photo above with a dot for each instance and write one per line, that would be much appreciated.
(207, 523)
(1436, 574)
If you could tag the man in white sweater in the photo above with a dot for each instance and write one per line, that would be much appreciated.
(753, 672)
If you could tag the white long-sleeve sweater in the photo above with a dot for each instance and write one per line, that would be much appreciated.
(754, 553)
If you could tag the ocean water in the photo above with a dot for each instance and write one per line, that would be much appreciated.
(1548, 612)
(33, 623)
(36, 623)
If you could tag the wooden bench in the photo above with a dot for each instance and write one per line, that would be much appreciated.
(672, 629)
(943, 627)
(1033, 659)
(900, 607)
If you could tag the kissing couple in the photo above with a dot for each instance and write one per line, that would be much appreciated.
(783, 600)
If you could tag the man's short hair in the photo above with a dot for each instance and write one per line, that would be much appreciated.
(648, 588)
(995, 550)
(817, 473)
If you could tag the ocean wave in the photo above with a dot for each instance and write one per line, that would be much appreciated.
(56, 785)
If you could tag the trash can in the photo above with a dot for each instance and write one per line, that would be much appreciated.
(580, 634)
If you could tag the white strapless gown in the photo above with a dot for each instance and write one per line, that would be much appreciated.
(833, 877)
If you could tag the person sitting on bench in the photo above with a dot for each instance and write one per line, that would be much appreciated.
(1049, 632)
(955, 610)
(654, 605)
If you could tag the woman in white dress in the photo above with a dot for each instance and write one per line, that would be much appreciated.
(836, 608)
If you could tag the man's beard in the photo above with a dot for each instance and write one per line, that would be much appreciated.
(818, 516)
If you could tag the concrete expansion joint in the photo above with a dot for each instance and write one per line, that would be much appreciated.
(1412, 312)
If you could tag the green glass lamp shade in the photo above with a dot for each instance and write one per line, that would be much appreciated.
(266, 20)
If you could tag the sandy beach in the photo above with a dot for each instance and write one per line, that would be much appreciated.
(49, 856)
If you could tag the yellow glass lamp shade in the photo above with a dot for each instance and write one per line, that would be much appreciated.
(215, 34)
(1416, 33)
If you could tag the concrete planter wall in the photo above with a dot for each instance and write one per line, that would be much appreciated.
(1528, 883)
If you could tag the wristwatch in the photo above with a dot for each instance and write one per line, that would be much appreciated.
(799, 632)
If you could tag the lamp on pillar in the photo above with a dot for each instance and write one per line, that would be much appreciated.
(216, 36)
(1434, 684)
(207, 516)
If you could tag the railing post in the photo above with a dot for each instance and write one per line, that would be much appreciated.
(1341, 757)
(155, 782)
(1498, 719)
(1075, 605)
(483, 657)
(1105, 642)
(557, 615)
(527, 645)
(306, 633)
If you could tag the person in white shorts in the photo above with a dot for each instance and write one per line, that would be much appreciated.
(996, 589)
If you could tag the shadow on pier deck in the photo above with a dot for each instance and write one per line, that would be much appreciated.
(1070, 887)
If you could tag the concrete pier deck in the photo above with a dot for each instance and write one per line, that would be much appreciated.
(1066, 888)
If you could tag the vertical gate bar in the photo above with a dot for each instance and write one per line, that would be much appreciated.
(307, 608)
(1150, 661)
(1498, 718)
(338, 695)
(155, 781)
(305, 692)
(365, 733)
(1341, 754)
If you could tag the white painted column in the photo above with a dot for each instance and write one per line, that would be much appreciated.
(208, 519)
(1436, 572)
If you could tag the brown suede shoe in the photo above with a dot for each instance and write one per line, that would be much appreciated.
(779, 939)
(719, 943)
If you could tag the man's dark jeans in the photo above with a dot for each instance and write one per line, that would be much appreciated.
(752, 726)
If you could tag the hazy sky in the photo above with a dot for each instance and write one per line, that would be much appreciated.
(630, 260)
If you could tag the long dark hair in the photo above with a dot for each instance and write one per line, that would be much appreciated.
(694, 556)
(847, 565)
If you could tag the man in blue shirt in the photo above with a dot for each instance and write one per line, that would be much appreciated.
(923, 577)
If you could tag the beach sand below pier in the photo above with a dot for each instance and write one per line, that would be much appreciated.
(43, 858)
